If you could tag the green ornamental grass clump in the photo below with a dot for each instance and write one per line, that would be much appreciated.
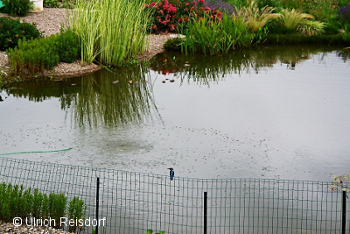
(15, 201)
(12, 30)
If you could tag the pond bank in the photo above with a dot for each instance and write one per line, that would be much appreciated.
(49, 22)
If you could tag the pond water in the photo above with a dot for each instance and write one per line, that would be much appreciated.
(267, 112)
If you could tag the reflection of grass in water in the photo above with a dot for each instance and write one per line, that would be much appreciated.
(206, 69)
(99, 102)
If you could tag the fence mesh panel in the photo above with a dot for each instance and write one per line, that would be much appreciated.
(134, 202)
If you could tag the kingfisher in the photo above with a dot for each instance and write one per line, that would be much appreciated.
(172, 173)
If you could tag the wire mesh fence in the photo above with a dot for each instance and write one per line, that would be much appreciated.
(134, 202)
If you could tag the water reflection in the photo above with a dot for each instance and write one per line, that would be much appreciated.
(105, 98)
(206, 69)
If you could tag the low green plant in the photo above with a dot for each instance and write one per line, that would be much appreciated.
(150, 231)
(18, 7)
(12, 30)
(31, 57)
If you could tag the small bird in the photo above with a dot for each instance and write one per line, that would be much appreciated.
(172, 173)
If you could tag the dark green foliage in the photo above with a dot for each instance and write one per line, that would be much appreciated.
(68, 46)
(17, 202)
(18, 7)
(12, 30)
(173, 44)
(58, 3)
(331, 29)
(34, 56)
(270, 3)
(51, 3)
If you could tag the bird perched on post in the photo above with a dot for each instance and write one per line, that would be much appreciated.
(172, 173)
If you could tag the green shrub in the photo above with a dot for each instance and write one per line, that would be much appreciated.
(31, 57)
(18, 7)
(68, 46)
(12, 30)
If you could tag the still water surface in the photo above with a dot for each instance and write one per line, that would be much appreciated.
(272, 112)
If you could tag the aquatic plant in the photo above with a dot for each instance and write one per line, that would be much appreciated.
(111, 31)
(214, 36)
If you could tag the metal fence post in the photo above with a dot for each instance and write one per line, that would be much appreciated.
(97, 202)
(205, 212)
(344, 213)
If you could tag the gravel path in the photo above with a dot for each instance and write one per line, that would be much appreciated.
(49, 22)
(9, 228)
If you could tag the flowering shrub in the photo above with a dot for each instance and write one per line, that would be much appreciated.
(344, 14)
(341, 183)
(168, 14)
(221, 5)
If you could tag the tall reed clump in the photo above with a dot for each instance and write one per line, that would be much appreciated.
(215, 36)
(110, 31)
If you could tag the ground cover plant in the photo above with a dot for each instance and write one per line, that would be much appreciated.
(15, 201)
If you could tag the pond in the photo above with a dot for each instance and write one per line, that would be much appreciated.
(266, 112)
